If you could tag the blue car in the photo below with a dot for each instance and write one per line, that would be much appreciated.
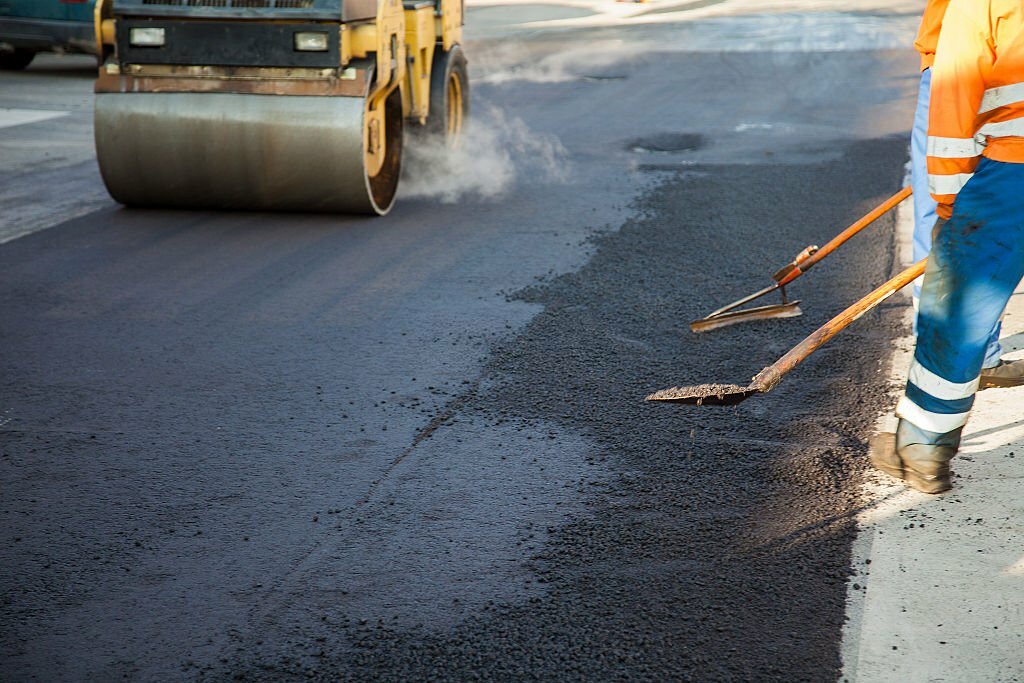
(31, 26)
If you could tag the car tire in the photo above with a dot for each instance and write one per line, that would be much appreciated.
(16, 59)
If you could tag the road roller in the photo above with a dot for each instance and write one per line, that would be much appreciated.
(291, 105)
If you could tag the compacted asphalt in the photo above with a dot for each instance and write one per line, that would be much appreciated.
(276, 447)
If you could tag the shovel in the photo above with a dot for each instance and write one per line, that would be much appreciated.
(731, 394)
(804, 261)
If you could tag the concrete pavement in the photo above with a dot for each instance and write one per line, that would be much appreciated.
(938, 593)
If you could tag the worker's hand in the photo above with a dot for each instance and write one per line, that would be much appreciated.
(938, 227)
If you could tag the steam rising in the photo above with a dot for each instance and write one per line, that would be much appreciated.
(514, 62)
(495, 151)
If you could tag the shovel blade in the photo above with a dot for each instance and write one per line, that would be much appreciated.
(705, 394)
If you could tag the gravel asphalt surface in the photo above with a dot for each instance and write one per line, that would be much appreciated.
(277, 447)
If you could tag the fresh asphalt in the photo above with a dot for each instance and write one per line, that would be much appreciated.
(274, 447)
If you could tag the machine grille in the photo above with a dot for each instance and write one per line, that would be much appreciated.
(293, 10)
(283, 4)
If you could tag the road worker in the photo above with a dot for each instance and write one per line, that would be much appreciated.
(976, 176)
(995, 372)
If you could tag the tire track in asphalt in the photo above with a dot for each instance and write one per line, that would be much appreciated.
(720, 547)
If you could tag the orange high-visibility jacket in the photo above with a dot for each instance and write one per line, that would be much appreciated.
(928, 34)
(977, 100)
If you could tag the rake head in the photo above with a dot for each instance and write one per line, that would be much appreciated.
(712, 322)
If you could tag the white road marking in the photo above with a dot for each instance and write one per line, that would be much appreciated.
(18, 117)
(939, 578)
(33, 201)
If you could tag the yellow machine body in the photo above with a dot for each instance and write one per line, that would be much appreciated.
(273, 104)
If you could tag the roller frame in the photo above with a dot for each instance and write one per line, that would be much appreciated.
(265, 137)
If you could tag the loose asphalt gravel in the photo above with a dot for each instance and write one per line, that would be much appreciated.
(718, 546)
(279, 447)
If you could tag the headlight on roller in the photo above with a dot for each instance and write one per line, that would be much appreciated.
(147, 37)
(311, 41)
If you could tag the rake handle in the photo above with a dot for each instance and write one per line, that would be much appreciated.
(771, 375)
(740, 302)
(799, 267)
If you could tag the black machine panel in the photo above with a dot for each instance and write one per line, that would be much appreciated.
(238, 9)
(229, 43)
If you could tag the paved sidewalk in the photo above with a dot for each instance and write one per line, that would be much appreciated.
(939, 589)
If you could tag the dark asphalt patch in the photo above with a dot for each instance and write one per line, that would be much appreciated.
(721, 547)
(667, 142)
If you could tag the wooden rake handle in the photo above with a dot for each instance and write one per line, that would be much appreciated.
(771, 375)
(810, 256)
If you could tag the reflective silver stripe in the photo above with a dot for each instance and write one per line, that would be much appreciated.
(947, 184)
(1002, 129)
(930, 383)
(927, 420)
(1001, 96)
(953, 148)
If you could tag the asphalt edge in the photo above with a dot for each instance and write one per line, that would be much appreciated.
(876, 489)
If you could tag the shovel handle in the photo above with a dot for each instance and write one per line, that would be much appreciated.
(771, 375)
(799, 266)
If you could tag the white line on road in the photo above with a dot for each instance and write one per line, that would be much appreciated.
(36, 200)
(18, 117)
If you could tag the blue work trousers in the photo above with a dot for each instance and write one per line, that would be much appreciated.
(975, 264)
(924, 205)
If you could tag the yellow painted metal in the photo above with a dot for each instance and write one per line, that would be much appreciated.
(449, 22)
(361, 39)
(103, 25)
(420, 42)
(390, 48)
(456, 109)
(108, 32)
(346, 44)
(391, 69)
(374, 139)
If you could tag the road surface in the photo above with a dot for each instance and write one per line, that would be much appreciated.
(279, 446)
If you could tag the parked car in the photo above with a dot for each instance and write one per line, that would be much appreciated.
(31, 26)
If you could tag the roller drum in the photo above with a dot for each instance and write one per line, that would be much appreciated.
(240, 151)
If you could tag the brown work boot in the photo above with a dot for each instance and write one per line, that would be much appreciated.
(882, 450)
(1006, 374)
(924, 467)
